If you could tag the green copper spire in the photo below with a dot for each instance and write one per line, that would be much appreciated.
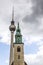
(18, 32)
(18, 25)
(18, 36)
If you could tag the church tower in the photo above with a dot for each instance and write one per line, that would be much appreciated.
(18, 48)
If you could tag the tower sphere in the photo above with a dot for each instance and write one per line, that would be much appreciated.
(12, 26)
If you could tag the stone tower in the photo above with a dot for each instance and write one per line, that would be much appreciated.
(18, 48)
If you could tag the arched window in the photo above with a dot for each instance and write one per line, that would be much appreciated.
(12, 63)
(18, 49)
(18, 56)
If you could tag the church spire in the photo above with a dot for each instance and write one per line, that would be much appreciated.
(18, 25)
(18, 31)
(18, 36)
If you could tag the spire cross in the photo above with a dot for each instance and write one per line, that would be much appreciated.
(18, 28)
(18, 24)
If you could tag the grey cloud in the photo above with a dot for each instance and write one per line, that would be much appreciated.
(38, 7)
(37, 11)
(39, 62)
(20, 1)
(32, 20)
(0, 37)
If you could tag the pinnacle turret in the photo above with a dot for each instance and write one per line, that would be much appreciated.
(18, 31)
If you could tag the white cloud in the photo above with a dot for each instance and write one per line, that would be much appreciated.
(37, 58)
(7, 62)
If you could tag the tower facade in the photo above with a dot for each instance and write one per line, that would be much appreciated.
(18, 48)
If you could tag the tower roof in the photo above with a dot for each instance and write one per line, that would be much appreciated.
(18, 31)
(18, 36)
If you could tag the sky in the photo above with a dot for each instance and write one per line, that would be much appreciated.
(29, 14)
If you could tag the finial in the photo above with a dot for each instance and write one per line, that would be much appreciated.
(18, 24)
(13, 14)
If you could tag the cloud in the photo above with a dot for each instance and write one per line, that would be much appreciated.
(21, 1)
(35, 59)
(38, 7)
(34, 22)
(7, 62)
(20, 6)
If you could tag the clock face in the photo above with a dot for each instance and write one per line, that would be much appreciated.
(18, 39)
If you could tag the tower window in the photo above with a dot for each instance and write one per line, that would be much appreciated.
(18, 49)
(12, 63)
(18, 56)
